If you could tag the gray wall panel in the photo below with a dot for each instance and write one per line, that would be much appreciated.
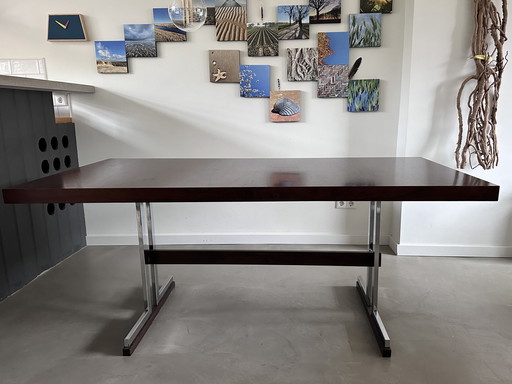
(37, 236)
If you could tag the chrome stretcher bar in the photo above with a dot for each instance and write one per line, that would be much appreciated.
(144, 181)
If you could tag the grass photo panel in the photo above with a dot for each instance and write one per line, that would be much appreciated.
(363, 95)
(365, 30)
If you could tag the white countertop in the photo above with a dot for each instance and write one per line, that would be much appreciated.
(14, 82)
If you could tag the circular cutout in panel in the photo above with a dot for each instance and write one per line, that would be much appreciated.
(50, 208)
(56, 164)
(65, 141)
(62, 206)
(42, 144)
(45, 166)
(67, 161)
(54, 143)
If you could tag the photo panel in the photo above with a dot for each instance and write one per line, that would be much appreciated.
(262, 39)
(376, 6)
(293, 22)
(164, 28)
(363, 95)
(224, 66)
(255, 81)
(210, 12)
(332, 81)
(140, 40)
(231, 20)
(365, 30)
(324, 11)
(333, 48)
(111, 56)
(302, 64)
(284, 106)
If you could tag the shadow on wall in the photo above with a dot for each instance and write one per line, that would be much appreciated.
(112, 125)
(442, 140)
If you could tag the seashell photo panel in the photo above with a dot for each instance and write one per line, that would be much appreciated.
(284, 106)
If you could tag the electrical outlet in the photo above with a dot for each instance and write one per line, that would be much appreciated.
(60, 99)
(344, 204)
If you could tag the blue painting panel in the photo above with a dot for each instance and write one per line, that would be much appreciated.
(255, 81)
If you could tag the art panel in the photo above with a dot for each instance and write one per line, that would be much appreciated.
(255, 81)
(210, 12)
(324, 11)
(111, 56)
(333, 48)
(332, 81)
(302, 64)
(231, 20)
(284, 106)
(224, 66)
(164, 27)
(365, 30)
(377, 6)
(293, 22)
(140, 40)
(363, 95)
(262, 39)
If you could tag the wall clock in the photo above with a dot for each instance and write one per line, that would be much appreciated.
(66, 28)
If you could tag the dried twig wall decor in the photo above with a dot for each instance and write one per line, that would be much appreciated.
(480, 141)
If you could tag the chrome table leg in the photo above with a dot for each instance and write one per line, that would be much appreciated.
(370, 295)
(154, 296)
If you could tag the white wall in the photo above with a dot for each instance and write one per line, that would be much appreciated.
(438, 62)
(166, 107)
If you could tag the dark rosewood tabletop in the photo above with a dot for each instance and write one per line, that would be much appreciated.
(286, 179)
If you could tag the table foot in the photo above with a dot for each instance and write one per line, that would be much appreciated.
(376, 323)
(140, 328)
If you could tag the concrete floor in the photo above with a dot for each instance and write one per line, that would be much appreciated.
(450, 321)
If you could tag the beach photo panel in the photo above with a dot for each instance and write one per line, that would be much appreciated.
(111, 56)
(165, 30)
(140, 40)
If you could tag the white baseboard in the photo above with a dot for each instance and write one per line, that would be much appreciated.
(255, 238)
(308, 238)
(450, 250)
(453, 250)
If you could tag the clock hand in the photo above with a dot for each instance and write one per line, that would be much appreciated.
(65, 26)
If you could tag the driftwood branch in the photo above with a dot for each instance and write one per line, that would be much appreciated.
(477, 138)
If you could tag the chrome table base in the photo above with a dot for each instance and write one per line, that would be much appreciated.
(155, 295)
